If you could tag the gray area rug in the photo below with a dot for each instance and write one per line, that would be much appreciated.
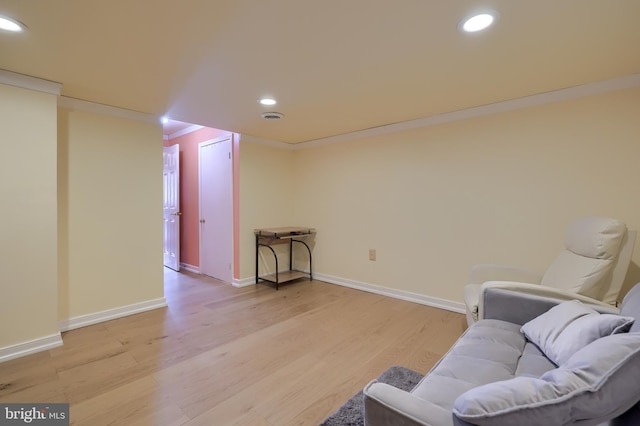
(352, 412)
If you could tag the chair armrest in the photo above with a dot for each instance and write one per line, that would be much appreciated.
(521, 302)
(485, 272)
(387, 405)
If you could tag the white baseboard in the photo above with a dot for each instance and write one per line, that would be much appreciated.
(110, 314)
(244, 282)
(435, 302)
(31, 347)
(422, 299)
(190, 268)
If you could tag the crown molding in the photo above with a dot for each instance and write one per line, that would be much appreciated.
(87, 106)
(267, 142)
(183, 132)
(590, 89)
(32, 83)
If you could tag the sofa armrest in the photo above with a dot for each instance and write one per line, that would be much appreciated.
(519, 303)
(486, 272)
(387, 405)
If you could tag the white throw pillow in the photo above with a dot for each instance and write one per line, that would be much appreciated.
(568, 327)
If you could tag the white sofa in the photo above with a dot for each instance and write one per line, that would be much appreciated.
(495, 375)
(591, 268)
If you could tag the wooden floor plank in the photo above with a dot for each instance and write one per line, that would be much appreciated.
(232, 356)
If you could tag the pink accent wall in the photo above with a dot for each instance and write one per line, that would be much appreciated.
(189, 197)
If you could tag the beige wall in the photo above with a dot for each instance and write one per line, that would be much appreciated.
(431, 201)
(110, 192)
(266, 198)
(28, 253)
(496, 189)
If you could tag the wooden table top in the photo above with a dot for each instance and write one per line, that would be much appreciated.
(284, 231)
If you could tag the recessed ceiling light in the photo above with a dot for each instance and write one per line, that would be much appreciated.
(478, 22)
(12, 25)
(267, 101)
(164, 120)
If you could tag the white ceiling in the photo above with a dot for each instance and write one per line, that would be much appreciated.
(334, 66)
(173, 127)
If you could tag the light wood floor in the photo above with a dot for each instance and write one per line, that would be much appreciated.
(219, 355)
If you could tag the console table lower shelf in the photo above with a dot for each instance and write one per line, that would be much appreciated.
(269, 237)
(284, 276)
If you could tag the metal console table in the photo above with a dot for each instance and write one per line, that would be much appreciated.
(268, 237)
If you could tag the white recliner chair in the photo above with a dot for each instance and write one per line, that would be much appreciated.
(591, 268)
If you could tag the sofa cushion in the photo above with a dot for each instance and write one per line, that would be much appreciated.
(570, 326)
(597, 383)
(533, 362)
(489, 350)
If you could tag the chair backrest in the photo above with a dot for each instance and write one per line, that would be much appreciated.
(596, 251)
(620, 268)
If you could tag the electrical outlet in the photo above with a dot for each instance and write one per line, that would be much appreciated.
(372, 254)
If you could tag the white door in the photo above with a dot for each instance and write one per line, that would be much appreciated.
(216, 208)
(171, 204)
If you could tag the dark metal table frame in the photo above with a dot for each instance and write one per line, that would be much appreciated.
(272, 236)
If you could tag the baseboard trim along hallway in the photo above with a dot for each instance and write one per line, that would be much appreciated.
(244, 282)
(31, 347)
(190, 268)
(110, 314)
